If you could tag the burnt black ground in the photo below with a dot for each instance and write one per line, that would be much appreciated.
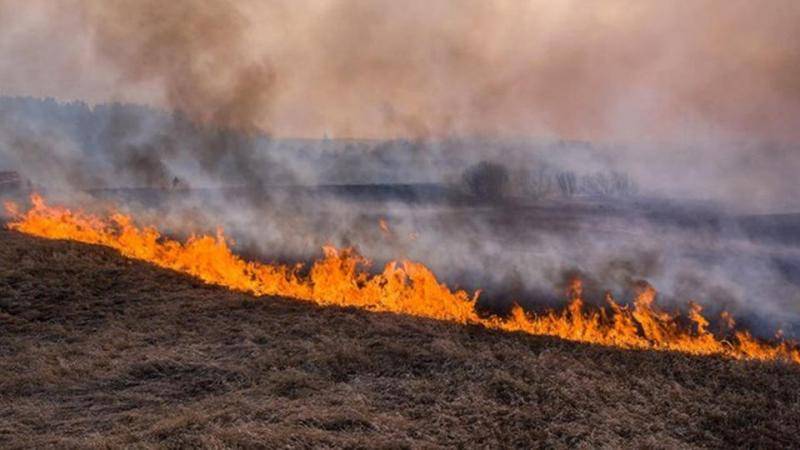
(100, 351)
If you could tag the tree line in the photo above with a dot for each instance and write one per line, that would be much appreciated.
(488, 180)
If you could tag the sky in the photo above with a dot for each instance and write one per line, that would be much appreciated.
(611, 70)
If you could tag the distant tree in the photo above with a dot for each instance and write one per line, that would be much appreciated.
(487, 180)
(612, 184)
(567, 183)
(623, 184)
(539, 183)
(596, 184)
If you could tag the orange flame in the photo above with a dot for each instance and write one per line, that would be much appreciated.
(340, 278)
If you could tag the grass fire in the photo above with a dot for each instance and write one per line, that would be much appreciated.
(403, 287)
(382, 224)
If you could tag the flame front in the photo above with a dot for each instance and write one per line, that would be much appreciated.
(406, 287)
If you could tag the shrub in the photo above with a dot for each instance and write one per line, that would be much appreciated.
(486, 180)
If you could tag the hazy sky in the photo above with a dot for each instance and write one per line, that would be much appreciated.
(610, 69)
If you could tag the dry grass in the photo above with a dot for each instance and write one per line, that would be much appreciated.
(99, 351)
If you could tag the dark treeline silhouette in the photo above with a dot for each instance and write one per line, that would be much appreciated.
(133, 145)
(126, 145)
(487, 181)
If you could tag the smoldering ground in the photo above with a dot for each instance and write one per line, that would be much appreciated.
(698, 99)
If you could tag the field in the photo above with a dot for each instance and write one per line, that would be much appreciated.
(100, 351)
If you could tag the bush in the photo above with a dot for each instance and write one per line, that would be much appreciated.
(487, 180)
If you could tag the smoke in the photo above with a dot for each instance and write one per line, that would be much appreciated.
(196, 50)
(703, 93)
(611, 70)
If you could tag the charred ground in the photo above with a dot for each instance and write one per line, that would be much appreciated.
(97, 350)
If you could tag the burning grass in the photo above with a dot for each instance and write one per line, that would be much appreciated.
(406, 287)
(97, 350)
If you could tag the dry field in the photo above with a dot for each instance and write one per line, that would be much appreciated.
(100, 351)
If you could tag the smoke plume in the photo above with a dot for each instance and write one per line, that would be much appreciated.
(612, 69)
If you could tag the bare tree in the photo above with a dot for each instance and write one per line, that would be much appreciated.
(623, 184)
(613, 184)
(539, 183)
(567, 183)
(598, 184)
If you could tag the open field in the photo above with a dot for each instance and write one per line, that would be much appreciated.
(97, 350)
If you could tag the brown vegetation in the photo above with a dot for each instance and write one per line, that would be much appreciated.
(97, 350)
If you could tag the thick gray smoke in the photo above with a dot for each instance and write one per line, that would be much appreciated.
(700, 90)
(608, 70)
(692, 99)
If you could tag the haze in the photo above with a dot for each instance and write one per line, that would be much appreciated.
(601, 70)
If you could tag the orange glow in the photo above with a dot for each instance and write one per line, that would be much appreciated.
(340, 278)
(384, 226)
